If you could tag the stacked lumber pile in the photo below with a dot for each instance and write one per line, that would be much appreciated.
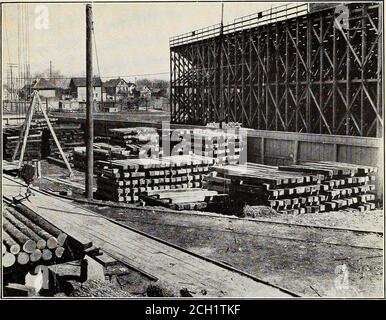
(33, 148)
(255, 184)
(140, 141)
(102, 152)
(345, 186)
(70, 135)
(125, 180)
(224, 147)
(29, 239)
(184, 199)
(220, 145)
(304, 188)
(224, 125)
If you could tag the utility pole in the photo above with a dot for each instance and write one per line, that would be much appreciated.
(50, 70)
(89, 106)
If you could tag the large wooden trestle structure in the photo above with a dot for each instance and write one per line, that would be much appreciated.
(285, 69)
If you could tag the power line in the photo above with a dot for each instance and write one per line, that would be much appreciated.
(113, 76)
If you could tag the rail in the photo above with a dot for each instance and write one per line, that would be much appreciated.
(274, 14)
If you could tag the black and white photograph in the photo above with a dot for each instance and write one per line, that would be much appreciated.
(208, 150)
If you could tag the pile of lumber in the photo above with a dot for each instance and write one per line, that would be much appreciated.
(125, 180)
(223, 146)
(56, 158)
(70, 135)
(305, 188)
(102, 152)
(28, 239)
(224, 125)
(11, 136)
(184, 199)
(140, 141)
(344, 185)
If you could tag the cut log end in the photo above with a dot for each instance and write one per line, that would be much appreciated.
(52, 243)
(8, 260)
(61, 239)
(22, 258)
(41, 244)
(15, 248)
(46, 254)
(35, 256)
(59, 251)
(29, 246)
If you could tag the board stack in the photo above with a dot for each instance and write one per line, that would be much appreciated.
(224, 147)
(346, 186)
(102, 151)
(140, 141)
(185, 199)
(255, 184)
(224, 125)
(295, 189)
(11, 136)
(126, 180)
(70, 135)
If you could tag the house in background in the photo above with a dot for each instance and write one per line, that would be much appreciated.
(77, 88)
(146, 93)
(45, 88)
(117, 89)
(158, 93)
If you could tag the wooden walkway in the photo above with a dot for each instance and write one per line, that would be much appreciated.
(169, 264)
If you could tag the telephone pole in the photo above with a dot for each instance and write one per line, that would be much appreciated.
(50, 70)
(89, 106)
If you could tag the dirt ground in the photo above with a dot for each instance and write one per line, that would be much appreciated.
(308, 261)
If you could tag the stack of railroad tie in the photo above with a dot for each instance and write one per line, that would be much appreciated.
(140, 141)
(29, 239)
(285, 192)
(125, 180)
(222, 145)
(11, 136)
(102, 151)
(344, 185)
(304, 188)
(70, 136)
(184, 199)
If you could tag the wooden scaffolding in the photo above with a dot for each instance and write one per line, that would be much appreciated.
(285, 69)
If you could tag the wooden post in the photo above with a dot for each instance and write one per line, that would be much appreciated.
(89, 107)
(22, 132)
(28, 120)
(54, 135)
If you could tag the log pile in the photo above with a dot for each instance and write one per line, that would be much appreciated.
(125, 180)
(29, 239)
(305, 188)
(140, 141)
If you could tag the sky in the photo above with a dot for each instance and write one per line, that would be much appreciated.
(131, 38)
